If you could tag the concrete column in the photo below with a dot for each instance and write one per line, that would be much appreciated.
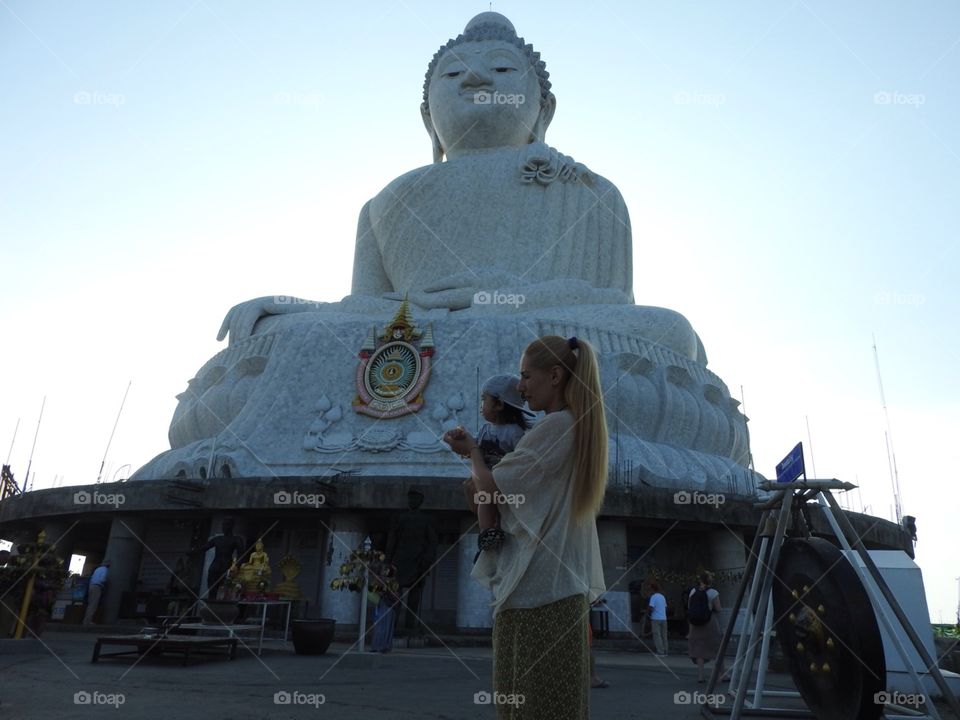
(613, 551)
(124, 550)
(612, 534)
(473, 599)
(726, 552)
(346, 534)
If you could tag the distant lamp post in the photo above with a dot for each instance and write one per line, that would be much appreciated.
(364, 592)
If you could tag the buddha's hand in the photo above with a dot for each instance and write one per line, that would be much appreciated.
(242, 318)
(462, 290)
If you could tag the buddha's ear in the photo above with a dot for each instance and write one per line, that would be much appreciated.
(547, 108)
(431, 131)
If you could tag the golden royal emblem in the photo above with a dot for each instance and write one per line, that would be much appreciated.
(394, 368)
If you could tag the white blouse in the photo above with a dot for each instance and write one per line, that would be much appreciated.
(545, 555)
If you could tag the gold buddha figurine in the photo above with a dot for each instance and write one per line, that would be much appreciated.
(256, 569)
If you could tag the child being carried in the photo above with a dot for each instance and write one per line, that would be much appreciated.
(506, 422)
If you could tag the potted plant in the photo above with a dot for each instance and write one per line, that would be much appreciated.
(367, 571)
(40, 572)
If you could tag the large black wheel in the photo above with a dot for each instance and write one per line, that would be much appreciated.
(828, 631)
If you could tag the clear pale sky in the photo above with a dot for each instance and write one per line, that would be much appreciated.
(792, 170)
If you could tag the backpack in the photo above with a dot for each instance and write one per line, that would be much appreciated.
(698, 609)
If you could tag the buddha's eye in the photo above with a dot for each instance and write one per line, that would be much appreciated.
(503, 69)
(453, 73)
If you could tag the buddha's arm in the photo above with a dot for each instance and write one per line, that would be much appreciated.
(369, 280)
(242, 318)
(369, 276)
(614, 264)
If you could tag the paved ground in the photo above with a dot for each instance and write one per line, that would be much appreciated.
(39, 681)
(52, 679)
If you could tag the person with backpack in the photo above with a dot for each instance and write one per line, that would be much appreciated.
(703, 614)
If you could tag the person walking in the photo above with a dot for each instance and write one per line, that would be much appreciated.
(703, 614)
(548, 568)
(384, 613)
(95, 590)
(658, 618)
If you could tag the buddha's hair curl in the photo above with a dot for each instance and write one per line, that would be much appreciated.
(492, 31)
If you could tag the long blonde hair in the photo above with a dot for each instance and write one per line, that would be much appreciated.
(584, 398)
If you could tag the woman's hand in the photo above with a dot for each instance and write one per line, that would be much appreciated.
(460, 441)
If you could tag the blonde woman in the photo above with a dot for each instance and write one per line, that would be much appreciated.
(549, 491)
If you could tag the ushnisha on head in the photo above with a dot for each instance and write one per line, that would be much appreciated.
(486, 89)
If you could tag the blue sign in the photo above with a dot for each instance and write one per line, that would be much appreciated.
(791, 467)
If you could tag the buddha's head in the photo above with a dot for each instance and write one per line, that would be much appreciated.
(486, 89)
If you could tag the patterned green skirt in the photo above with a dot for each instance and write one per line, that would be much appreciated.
(541, 662)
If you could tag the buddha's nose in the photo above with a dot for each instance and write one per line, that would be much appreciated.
(476, 77)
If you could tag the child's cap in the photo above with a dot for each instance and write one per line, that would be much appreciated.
(504, 388)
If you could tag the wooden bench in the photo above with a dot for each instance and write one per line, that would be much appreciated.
(184, 644)
(231, 631)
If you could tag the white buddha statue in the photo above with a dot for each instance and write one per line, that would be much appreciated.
(497, 214)
(505, 212)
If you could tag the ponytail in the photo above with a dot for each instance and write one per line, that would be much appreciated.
(584, 398)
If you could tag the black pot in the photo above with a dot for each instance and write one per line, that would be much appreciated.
(312, 637)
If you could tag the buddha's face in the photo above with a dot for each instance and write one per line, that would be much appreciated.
(483, 95)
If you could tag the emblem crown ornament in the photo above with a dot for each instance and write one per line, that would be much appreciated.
(394, 367)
